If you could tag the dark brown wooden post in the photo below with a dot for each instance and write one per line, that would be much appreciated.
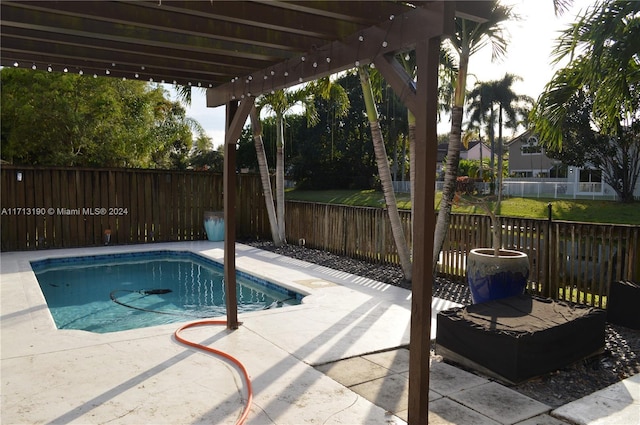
(235, 119)
(229, 202)
(423, 229)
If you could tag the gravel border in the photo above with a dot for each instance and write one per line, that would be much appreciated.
(620, 360)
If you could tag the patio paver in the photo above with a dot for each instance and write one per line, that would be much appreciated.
(500, 403)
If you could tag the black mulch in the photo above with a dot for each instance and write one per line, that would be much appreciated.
(620, 360)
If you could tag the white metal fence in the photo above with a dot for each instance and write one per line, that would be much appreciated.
(555, 189)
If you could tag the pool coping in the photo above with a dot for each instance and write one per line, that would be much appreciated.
(55, 376)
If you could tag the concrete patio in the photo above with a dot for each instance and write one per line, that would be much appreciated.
(340, 357)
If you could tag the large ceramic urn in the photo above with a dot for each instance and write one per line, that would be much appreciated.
(492, 277)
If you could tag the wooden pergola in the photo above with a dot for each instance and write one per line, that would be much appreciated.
(240, 50)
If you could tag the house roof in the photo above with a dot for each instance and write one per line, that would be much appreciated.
(520, 137)
(234, 48)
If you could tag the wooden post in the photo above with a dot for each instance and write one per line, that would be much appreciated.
(229, 202)
(423, 227)
(235, 118)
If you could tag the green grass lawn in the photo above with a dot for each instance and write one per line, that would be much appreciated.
(563, 209)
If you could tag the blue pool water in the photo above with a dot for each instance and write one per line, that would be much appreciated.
(109, 293)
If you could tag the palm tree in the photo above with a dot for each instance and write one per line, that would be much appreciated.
(602, 48)
(485, 96)
(264, 176)
(480, 113)
(385, 174)
(337, 96)
(280, 102)
(469, 38)
(514, 107)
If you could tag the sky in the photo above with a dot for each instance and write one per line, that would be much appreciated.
(532, 39)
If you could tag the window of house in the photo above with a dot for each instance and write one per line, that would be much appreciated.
(559, 171)
(531, 147)
(590, 181)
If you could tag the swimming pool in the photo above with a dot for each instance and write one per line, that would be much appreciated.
(109, 293)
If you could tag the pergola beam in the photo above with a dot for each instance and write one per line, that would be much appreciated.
(400, 81)
(399, 33)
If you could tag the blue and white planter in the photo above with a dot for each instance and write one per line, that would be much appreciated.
(214, 225)
(492, 277)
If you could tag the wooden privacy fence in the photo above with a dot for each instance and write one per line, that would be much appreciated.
(356, 232)
(70, 207)
(570, 261)
(74, 207)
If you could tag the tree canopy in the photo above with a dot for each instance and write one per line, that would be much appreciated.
(603, 48)
(54, 119)
(337, 152)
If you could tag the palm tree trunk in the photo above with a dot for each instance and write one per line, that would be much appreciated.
(280, 177)
(453, 158)
(385, 176)
(264, 176)
(492, 138)
(481, 149)
(497, 232)
(449, 186)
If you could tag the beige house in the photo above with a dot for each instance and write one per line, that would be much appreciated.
(527, 158)
(533, 173)
(473, 152)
